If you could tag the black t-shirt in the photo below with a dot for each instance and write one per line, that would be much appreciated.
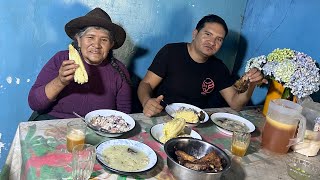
(186, 81)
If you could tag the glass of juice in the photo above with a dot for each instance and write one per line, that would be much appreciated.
(76, 133)
(240, 143)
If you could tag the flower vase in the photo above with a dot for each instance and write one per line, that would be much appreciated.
(276, 91)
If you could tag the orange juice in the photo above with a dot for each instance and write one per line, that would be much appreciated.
(74, 138)
(239, 148)
(276, 135)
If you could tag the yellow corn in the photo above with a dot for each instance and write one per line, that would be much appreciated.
(172, 129)
(80, 76)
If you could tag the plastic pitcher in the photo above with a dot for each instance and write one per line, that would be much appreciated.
(282, 121)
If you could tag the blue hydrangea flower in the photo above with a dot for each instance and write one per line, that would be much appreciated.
(295, 70)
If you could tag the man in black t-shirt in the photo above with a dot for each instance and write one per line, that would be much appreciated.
(190, 73)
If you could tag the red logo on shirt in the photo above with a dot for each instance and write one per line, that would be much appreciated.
(207, 86)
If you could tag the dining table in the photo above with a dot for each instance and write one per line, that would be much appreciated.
(38, 150)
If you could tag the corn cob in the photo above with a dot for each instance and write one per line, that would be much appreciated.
(172, 129)
(80, 76)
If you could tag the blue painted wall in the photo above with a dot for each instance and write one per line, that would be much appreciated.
(268, 25)
(32, 31)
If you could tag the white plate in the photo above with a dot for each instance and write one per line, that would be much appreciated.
(214, 117)
(177, 106)
(109, 112)
(156, 132)
(135, 145)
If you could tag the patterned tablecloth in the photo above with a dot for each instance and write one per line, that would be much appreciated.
(38, 150)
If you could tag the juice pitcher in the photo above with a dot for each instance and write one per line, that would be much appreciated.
(282, 121)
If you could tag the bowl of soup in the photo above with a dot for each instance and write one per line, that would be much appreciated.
(125, 156)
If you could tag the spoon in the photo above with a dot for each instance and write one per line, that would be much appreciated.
(88, 124)
(95, 128)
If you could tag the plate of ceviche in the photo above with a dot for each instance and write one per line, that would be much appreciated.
(110, 123)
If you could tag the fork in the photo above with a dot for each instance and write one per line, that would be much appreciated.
(168, 108)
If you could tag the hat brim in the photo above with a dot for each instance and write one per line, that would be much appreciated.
(75, 25)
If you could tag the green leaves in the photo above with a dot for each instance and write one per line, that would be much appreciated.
(39, 148)
(47, 172)
(31, 132)
(287, 94)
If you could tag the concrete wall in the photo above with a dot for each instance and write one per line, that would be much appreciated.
(33, 31)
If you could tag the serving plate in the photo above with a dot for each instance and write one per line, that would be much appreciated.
(177, 106)
(219, 118)
(134, 145)
(109, 112)
(156, 132)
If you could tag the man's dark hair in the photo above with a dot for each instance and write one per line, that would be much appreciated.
(211, 18)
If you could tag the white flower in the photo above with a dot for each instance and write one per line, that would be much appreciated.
(256, 62)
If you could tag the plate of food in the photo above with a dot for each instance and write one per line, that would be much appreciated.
(227, 123)
(125, 156)
(110, 123)
(188, 112)
(157, 132)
